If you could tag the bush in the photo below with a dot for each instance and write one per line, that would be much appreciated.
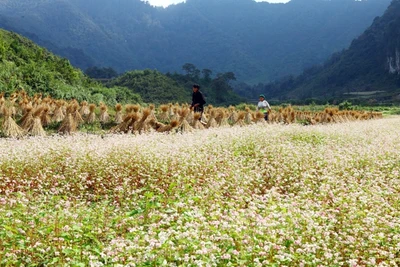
(346, 105)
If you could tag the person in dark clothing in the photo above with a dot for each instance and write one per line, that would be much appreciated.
(198, 100)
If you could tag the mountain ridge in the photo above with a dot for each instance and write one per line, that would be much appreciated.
(260, 42)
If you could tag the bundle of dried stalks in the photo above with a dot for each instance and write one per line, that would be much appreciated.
(37, 129)
(118, 113)
(128, 109)
(240, 121)
(196, 121)
(58, 114)
(155, 125)
(233, 117)
(175, 115)
(183, 113)
(104, 116)
(123, 126)
(141, 125)
(135, 108)
(10, 127)
(45, 117)
(259, 117)
(212, 123)
(133, 119)
(184, 125)
(248, 119)
(224, 122)
(68, 125)
(169, 127)
(91, 118)
(27, 118)
(152, 112)
(190, 117)
(75, 113)
(84, 109)
(170, 110)
(164, 116)
(37, 100)
(204, 118)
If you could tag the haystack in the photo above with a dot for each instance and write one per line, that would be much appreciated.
(45, 117)
(169, 127)
(164, 116)
(58, 114)
(37, 129)
(118, 113)
(10, 127)
(259, 117)
(84, 109)
(212, 123)
(91, 118)
(68, 125)
(27, 118)
(240, 121)
(141, 125)
(104, 116)
(196, 122)
(76, 115)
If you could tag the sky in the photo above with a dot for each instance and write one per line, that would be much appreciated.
(166, 3)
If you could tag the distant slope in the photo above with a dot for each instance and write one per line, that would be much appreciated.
(372, 63)
(153, 86)
(259, 42)
(24, 65)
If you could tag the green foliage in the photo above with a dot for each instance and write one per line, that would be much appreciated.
(155, 87)
(345, 105)
(24, 65)
(152, 86)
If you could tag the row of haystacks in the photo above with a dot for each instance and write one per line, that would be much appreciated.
(24, 115)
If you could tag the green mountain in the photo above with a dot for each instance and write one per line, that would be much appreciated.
(369, 69)
(259, 42)
(25, 65)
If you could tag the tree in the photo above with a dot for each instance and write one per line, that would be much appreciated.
(191, 71)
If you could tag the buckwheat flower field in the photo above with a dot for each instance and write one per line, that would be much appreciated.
(260, 195)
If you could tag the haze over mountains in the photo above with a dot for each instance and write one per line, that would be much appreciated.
(369, 69)
(259, 42)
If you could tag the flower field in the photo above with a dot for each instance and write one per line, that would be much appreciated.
(260, 195)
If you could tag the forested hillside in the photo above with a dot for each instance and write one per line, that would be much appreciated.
(26, 66)
(156, 87)
(259, 42)
(369, 69)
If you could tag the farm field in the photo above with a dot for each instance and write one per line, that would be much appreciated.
(258, 195)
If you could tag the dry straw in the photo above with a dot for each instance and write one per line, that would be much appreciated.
(58, 114)
(118, 113)
(37, 128)
(164, 116)
(9, 127)
(91, 118)
(104, 116)
(169, 127)
(141, 125)
(84, 109)
(196, 121)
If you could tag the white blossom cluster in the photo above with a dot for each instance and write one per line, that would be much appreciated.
(276, 195)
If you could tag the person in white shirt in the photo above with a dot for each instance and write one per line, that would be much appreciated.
(263, 106)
